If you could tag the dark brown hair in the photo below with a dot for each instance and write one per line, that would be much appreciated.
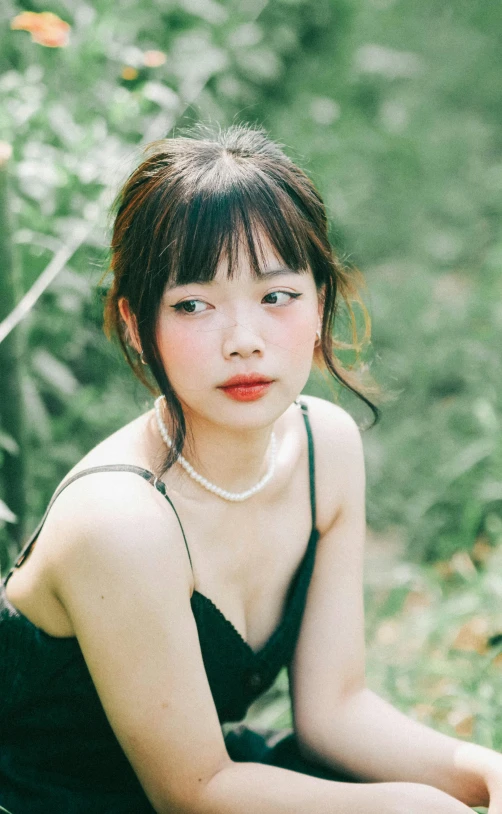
(198, 198)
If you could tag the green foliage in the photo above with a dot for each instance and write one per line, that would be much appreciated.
(439, 449)
(398, 121)
(434, 644)
(8, 447)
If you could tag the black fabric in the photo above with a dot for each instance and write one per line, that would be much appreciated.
(277, 748)
(57, 750)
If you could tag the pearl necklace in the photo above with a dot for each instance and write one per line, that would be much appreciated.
(233, 496)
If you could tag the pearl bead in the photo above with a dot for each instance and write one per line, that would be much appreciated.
(217, 490)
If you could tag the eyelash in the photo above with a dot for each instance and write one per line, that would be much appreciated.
(179, 306)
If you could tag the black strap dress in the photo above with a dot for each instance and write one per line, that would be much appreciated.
(58, 752)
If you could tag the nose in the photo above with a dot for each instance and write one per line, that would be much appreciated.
(242, 339)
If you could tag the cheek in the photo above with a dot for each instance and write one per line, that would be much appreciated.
(296, 333)
(185, 352)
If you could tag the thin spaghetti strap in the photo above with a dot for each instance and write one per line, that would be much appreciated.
(305, 412)
(161, 487)
(144, 473)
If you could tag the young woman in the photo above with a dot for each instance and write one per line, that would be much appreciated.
(215, 539)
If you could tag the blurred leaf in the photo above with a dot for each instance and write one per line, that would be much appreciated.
(388, 62)
(462, 721)
(472, 635)
(55, 372)
(8, 444)
(37, 413)
(209, 10)
(6, 516)
(467, 459)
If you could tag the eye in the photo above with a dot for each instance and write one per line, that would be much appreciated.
(292, 296)
(188, 306)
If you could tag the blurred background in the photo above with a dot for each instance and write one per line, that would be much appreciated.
(394, 109)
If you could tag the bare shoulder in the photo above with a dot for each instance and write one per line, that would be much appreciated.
(332, 422)
(113, 522)
(338, 455)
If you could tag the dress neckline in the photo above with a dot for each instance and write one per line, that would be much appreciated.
(259, 654)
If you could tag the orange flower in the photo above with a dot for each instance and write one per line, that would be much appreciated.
(45, 28)
(153, 59)
(129, 73)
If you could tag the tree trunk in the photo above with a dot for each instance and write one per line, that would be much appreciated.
(11, 400)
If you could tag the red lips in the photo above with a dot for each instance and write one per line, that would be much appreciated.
(246, 379)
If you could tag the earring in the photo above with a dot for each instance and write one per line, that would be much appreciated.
(318, 339)
(142, 357)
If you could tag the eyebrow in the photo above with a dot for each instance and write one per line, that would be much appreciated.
(264, 275)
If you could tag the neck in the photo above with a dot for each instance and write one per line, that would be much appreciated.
(234, 459)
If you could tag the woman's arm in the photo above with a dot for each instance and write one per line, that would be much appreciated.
(376, 742)
(120, 568)
(339, 722)
(252, 788)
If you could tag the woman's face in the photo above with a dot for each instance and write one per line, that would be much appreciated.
(207, 333)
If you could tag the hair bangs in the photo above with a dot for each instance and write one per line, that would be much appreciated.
(220, 226)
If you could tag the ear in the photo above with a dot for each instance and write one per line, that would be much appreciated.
(131, 324)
